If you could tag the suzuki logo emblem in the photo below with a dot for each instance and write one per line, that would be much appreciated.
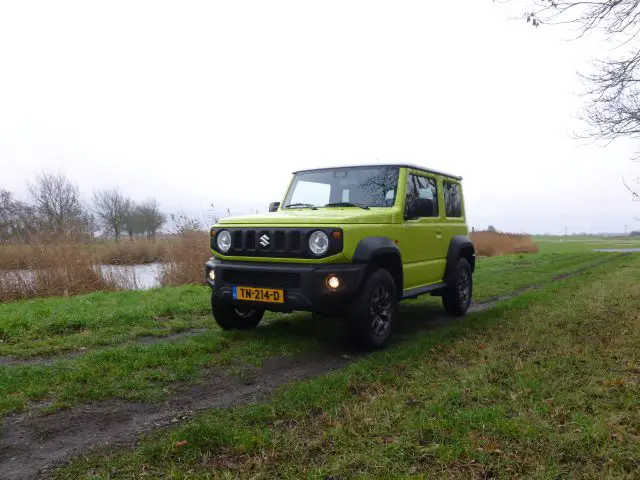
(265, 240)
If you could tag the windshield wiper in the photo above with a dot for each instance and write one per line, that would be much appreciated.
(303, 205)
(347, 204)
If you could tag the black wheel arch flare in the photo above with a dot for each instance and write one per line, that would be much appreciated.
(383, 252)
(460, 246)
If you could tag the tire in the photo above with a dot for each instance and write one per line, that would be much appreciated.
(456, 297)
(372, 316)
(230, 317)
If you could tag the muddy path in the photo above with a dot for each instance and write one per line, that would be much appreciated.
(33, 444)
(141, 340)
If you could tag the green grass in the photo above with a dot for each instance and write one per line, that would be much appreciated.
(585, 244)
(499, 275)
(552, 372)
(53, 325)
(146, 372)
(542, 386)
(57, 325)
(103, 327)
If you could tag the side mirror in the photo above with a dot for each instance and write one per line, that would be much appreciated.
(273, 206)
(420, 207)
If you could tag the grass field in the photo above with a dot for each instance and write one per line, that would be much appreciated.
(544, 384)
(583, 244)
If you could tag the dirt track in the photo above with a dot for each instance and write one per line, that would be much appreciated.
(143, 340)
(32, 444)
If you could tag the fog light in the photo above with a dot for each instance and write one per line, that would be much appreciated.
(212, 275)
(333, 282)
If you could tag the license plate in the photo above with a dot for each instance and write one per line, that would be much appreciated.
(269, 295)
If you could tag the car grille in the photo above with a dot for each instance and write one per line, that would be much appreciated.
(265, 241)
(262, 278)
(281, 243)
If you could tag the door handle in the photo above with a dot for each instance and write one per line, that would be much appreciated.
(438, 233)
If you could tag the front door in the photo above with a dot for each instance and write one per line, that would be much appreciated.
(423, 246)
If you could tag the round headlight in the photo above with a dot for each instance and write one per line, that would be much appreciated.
(224, 241)
(318, 242)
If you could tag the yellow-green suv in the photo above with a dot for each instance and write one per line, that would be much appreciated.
(347, 241)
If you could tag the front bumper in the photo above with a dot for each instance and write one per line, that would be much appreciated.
(304, 286)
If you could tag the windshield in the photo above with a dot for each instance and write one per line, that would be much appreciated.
(353, 186)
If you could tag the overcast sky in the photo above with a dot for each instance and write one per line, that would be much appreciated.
(217, 102)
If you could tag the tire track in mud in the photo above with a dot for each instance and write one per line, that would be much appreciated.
(33, 444)
(491, 301)
(44, 360)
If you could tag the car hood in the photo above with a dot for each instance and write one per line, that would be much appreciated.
(323, 216)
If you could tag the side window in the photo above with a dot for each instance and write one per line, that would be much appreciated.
(423, 191)
(452, 204)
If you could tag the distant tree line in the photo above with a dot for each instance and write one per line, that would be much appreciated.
(56, 209)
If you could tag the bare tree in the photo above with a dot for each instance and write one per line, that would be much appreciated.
(18, 221)
(612, 90)
(145, 218)
(152, 217)
(57, 200)
(112, 208)
(131, 222)
(634, 189)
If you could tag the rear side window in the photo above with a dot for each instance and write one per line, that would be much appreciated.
(452, 203)
(423, 188)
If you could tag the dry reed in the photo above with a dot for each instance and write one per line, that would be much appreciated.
(184, 259)
(134, 252)
(490, 244)
(126, 252)
(58, 270)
